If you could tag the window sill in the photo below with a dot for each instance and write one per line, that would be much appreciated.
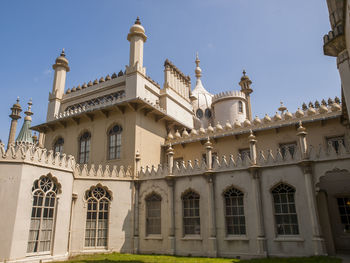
(33, 254)
(289, 239)
(192, 238)
(153, 237)
(236, 238)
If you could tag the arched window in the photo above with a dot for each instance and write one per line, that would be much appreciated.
(43, 215)
(84, 147)
(114, 142)
(191, 218)
(234, 215)
(153, 214)
(58, 145)
(96, 230)
(285, 213)
(240, 106)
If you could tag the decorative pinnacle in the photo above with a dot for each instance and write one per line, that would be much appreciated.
(244, 72)
(29, 111)
(17, 100)
(62, 53)
(198, 70)
(282, 108)
(137, 22)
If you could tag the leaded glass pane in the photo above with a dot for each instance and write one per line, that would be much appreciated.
(235, 219)
(191, 218)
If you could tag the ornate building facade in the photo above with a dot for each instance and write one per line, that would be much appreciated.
(124, 164)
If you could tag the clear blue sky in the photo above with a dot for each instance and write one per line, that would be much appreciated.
(279, 43)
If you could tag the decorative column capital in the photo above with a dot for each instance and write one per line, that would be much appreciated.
(208, 145)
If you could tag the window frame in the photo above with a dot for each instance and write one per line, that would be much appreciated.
(59, 145)
(335, 143)
(184, 197)
(242, 195)
(87, 149)
(240, 107)
(243, 152)
(148, 199)
(346, 214)
(116, 147)
(281, 214)
(283, 146)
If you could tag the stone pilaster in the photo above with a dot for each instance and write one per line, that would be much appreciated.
(212, 250)
(209, 148)
(256, 187)
(318, 241)
(302, 141)
(252, 146)
(170, 154)
(171, 216)
(136, 216)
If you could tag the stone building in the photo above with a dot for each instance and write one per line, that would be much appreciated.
(124, 164)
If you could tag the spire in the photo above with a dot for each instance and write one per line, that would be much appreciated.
(25, 135)
(62, 53)
(198, 70)
(137, 22)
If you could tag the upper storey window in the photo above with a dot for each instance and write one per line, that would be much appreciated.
(58, 145)
(84, 147)
(240, 106)
(199, 114)
(335, 142)
(114, 142)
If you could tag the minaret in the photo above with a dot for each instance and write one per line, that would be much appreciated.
(136, 38)
(25, 135)
(61, 68)
(15, 115)
(246, 89)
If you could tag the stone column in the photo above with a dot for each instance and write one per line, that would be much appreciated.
(212, 251)
(302, 141)
(256, 187)
(15, 115)
(171, 215)
(170, 154)
(318, 241)
(252, 146)
(209, 148)
(136, 216)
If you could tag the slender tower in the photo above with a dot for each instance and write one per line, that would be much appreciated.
(246, 89)
(137, 38)
(15, 115)
(61, 68)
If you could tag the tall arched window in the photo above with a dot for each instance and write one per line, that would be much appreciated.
(84, 147)
(114, 142)
(234, 215)
(240, 106)
(285, 212)
(58, 145)
(153, 214)
(96, 230)
(191, 218)
(43, 215)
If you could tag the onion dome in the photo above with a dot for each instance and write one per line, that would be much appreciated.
(84, 86)
(61, 61)
(219, 127)
(237, 124)
(282, 108)
(335, 107)
(101, 79)
(299, 113)
(311, 111)
(201, 130)
(301, 129)
(193, 132)
(114, 75)
(90, 83)
(108, 77)
(79, 87)
(210, 128)
(323, 108)
(185, 133)
(277, 117)
(251, 136)
(228, 125)
(287, 115)
(95, 82)
(267, 118)
(256, 120)
(170, 136)
(25, 135)
(74, 89)
(177, 134)
(137, 30)
(68, 91)
(247, 123)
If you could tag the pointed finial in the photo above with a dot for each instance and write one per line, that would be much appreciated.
(30, 103)
(137, 22)
(62, 53)
(17, 100)
(198, 70)
(282, 108)
(244, 72)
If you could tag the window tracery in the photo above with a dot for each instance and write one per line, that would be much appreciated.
(191, 216)
(234, 212)
(153, 214)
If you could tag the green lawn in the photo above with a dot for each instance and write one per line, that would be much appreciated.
(129, 258)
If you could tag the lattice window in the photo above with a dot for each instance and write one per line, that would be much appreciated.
(114, 142)
(244, 153)
(285, 212)
(336, 142)
(234, 212)
(58, 145)
(288, 147)
(96, 230)
(43, 215)
(191, 218)
(84, 147)
(344, 211)
(153, 214)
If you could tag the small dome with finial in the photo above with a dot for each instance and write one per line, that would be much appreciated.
(137, 29)
(61, 61)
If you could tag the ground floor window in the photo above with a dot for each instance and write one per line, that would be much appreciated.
(191, 218)
(344, 211)
(153, 214)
